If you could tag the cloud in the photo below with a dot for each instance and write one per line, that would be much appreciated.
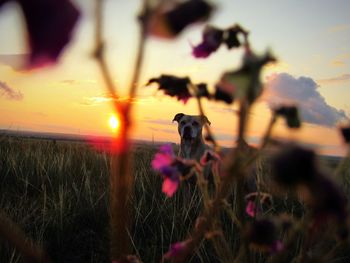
(162, 130)
(339, 28)
(340, 60)
(335, 80)
(158, 121)
(95, 100)
(286, 89)
(103, 98)
(9, 93)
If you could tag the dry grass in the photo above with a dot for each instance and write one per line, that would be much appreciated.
(58, 193)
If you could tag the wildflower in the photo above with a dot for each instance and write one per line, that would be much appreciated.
(243, 83)
(264, 199)
(173, 86)
(294, 165)
(49, 24)
(345, 131)
(291, 115)
(212, 39)
(169, 21)
(262, 235)
(178, 251)
(172, 168)
(251, 208)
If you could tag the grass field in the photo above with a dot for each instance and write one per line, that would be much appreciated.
(58, 193)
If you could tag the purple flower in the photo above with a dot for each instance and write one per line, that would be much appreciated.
(171, 167)
(212, 39)
(178, 251)
(251, 209)
(49, 24)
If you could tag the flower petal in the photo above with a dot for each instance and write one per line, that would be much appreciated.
(169, 187)
(49, 24)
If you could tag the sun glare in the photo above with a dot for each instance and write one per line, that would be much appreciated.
(114, 123)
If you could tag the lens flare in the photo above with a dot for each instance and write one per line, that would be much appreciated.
(114, 123)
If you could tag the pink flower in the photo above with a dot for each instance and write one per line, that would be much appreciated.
(178, 251)
(163, 158)
(170, 186)
(212, 39)
(251, 209)
(173, 169)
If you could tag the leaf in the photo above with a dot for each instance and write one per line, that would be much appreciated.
(244, 83)
(173, 86)
(291, 115)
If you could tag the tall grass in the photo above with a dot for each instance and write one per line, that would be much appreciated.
(58, 192)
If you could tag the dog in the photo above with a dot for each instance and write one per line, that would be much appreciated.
(192, 144)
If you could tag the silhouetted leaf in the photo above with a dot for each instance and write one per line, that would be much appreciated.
(244, 83)
(291, 115)
(345, 131)
(173, 86)
(232, 40)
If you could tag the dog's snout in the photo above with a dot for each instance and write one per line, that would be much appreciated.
(187, 131)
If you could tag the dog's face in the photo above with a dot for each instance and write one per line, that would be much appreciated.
(190, 126)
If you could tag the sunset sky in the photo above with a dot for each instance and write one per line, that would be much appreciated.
(311, 40)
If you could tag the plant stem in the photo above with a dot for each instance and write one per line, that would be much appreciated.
(121, 178)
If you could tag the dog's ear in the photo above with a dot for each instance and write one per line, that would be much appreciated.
(178, 117)
(205, 120)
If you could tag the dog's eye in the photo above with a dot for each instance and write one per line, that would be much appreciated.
(182, 122)
(195, 123)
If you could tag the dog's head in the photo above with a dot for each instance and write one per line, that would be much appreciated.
(190, 126)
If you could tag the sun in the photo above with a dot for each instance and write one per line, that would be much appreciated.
(114, 123)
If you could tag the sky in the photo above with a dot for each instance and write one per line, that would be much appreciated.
(311, 40)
